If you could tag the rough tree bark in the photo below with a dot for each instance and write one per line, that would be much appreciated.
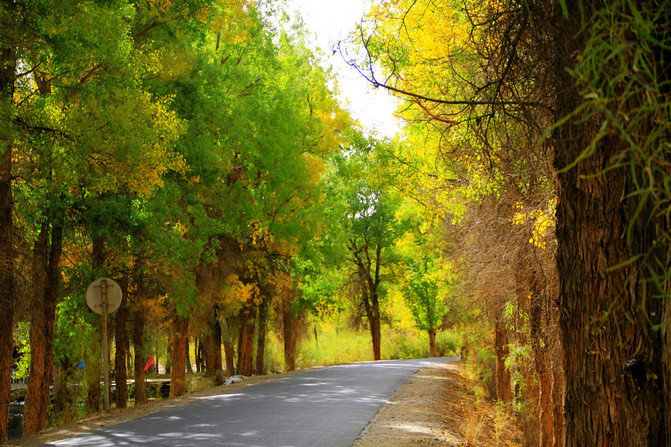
(612, 397)
(140, 358)
(372, 309)
(261, 338)
(537, 336)
(180, 330)
(368, 273)
(374, 324)
(46, 276)
(7, 255)
(614, 378)
(502, 380)
(212, 347)
(433, 352)
(228, 348)
(246, 342)
(289, 334)
(558, 391)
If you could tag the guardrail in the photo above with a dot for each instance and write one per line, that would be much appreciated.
(16, 380)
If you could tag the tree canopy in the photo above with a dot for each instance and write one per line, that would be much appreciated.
(198, 153)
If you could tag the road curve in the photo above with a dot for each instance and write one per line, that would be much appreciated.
(326, 407)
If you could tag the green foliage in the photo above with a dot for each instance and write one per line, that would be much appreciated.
(336, 343)
(193, 135)
(22, 343)
(483, 365)
(422, 293)
(405, 345)
(72, 320)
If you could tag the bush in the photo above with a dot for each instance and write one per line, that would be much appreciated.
(448, 344)
(333, 345)
(484, 365)
(405, 345)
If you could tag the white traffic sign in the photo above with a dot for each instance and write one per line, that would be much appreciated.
(94, 295)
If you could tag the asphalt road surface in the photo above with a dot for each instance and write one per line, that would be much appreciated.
(321, 408)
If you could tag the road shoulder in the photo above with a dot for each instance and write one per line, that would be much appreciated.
(438, 407)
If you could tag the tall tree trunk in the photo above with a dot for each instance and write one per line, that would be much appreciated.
(180, 331)
(249, 349)
(246, 342)
(372, 308)
(46, 271)
(168, 357)
(375, 336)
(558, 391)
(140, 359)
(189, 366)
(37, 398)
(503, 383)
(198, 351)
(261, 338)
(7, 255)
(228, 348)
(614, 378)
(666, 361)
(368, 273)
(543, 373)
(611, 395)
(121, 352)
(375, 327)
(94, 362)
(212, 344)
(289, 335)
(433, 352)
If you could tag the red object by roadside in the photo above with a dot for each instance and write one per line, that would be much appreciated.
(149, 363)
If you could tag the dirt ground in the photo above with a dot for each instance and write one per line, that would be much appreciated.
(437, 407)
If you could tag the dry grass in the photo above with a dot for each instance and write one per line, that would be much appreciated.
(439, 406)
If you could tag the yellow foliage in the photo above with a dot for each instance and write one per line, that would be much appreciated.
(542, 220)
(430, 39)
(230, 19)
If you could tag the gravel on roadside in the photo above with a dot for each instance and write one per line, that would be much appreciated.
(438, 407)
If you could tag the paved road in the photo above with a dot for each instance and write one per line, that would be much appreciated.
(325, 407)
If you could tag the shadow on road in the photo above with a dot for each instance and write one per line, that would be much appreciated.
(327, 407)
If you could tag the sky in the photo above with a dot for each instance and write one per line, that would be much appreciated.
(329, 21)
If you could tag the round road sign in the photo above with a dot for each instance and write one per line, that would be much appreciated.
(94, 295)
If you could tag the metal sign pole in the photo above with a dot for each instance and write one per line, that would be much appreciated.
(106, 360)
(103, 297)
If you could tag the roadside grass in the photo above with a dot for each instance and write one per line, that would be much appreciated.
(334, 344)
(473, 416)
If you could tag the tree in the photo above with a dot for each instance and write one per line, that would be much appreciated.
(422, 296)
(613, 244)
(527, 65)
(7, 252)
(365, 212)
